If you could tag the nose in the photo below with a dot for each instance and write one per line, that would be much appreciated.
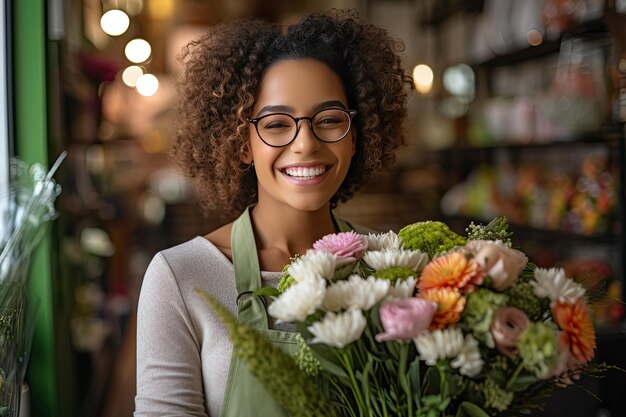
(305, 141)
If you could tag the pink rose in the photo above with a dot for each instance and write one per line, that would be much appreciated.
(405, 318)
(500, 262)
(348, 247)
(506, 328)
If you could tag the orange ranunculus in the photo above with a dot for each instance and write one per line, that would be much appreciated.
(577, 330)
(454, 270)
(450, 304)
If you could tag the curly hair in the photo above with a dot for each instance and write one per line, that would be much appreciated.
(221, 78)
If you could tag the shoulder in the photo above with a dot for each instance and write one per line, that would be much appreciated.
(220, 238)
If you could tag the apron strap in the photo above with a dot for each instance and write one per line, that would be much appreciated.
(251, 310)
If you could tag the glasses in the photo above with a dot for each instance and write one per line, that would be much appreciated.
(280, 129)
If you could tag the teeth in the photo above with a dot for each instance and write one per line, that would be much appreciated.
(311, 172)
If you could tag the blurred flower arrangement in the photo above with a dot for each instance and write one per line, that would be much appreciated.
(425, 323)
(30, 206)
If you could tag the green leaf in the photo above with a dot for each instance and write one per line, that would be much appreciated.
(268, 291)
(414, 377)
(522, 382)
(431, 381)
(467, 409)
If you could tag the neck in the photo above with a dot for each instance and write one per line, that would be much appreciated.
(282, 227)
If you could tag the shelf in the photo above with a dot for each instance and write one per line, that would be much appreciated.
(445, 9)
(528, 232)
(548, 47)
(608, 137)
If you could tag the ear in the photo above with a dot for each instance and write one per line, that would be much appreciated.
(245, 154)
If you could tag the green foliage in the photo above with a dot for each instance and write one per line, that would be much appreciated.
(305, 359)
(287, 280)
(430, 237)
(522, 296)
(275, 369)
(497, 229)
(395, 274)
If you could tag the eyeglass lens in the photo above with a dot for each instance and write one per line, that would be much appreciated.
(328, 125)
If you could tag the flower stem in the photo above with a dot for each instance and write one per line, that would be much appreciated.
(404, 352)
(515, 375)
(347, 363)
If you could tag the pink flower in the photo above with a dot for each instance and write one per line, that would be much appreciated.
(500, 262)
(348, 247)
(405, 318)
(506, 328)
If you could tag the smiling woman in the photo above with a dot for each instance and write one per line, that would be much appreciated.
(276, 128)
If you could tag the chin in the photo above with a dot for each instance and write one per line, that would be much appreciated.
(307, 204)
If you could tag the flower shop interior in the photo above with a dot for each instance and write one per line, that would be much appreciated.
(517, 110)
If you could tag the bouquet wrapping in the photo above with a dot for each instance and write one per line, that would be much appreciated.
(427, 323)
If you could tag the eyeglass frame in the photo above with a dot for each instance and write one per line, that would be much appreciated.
(255, 121)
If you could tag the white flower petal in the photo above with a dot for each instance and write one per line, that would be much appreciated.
(313, 264)
(469, 361)
(439, 344)
(403, 289)
(380, 241)
(391, 258)
(553, 284)
(339, 330)
(355, 292)
(299, 300)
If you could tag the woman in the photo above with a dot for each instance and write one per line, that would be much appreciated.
(276, 128)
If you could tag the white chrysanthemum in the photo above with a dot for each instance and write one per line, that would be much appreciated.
(553, 283)
(380, 241)
(339, 329)
(403, 289)
(391, 258)
(313, 264)
(355, 292)
(298, 301)
(469, 361)
(439, 344)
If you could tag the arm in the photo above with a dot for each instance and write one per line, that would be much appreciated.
(169, 378)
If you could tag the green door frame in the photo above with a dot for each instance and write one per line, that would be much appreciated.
(31, 145)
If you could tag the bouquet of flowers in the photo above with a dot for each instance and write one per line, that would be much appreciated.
(423, 323)
(28, 207)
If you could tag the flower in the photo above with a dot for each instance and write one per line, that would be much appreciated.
(430, 237)
(298, 301)
(479, 312)
(500, 262)
(450, 303)
(403, 289)
(348, 247)
(577, 329)
(381, 241)
(339, 329)
(404, 319)
(439, 344)
(453, 270)
(355, 292)
(553, 284)
(468, 361)
(392, 258)
(507, 325)
(313, 264)
(538, 348)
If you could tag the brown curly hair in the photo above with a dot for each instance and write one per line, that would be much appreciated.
(221, 78)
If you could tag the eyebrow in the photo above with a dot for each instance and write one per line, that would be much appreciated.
(289, 109)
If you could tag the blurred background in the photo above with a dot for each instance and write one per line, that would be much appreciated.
(518, 110)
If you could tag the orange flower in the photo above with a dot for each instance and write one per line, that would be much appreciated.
(577, 329)
(450, 304)
(454, 271)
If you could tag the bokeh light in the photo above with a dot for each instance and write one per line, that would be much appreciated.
(131, 74)
(147, 85)
(138, 50)
(114, 22)
(423, 78)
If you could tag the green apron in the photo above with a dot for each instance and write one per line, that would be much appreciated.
(244, 396)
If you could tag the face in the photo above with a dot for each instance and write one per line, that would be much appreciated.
(306, 173)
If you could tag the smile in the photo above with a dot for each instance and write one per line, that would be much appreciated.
(305, 175)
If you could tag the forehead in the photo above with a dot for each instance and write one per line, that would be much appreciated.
(299, 83)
